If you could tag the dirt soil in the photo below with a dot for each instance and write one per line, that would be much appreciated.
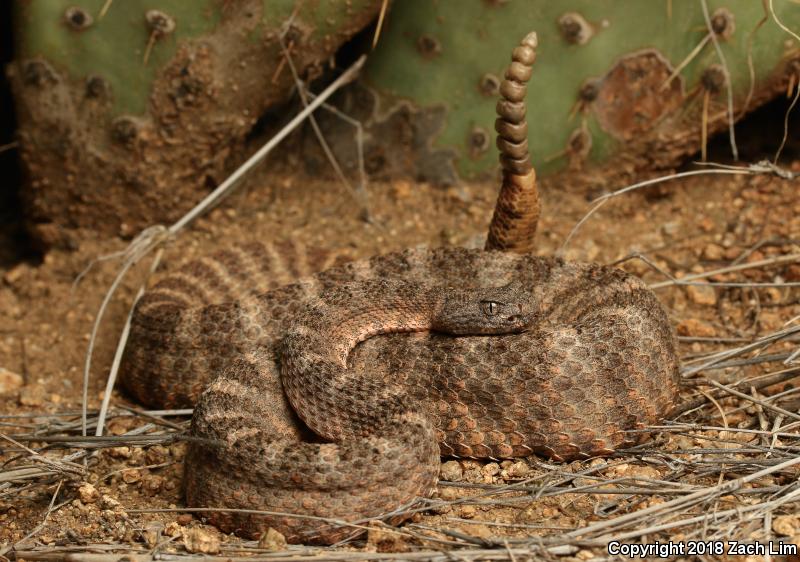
(684, 227)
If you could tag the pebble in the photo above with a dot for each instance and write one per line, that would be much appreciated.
(157, 454)
(702, 294)
(695, 327)
(714, 252)
(451, 471)
(107, 502)
(184, 519)
(200, 541)
(786, 525)
(792, 272)
(272, 541)
(119, 452)
(16, 273)
(517, 469)
(670, 229)
(385, 539)
(152, 533)
(490, 470)
(131, 475)
(401, 189)
(32, 395)
(9, 382)
(88, 493)
(706, 224)
(173, 529)
(152, 484)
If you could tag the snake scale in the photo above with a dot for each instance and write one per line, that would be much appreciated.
(323, 400)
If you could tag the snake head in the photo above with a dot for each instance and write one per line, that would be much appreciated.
(485, 310)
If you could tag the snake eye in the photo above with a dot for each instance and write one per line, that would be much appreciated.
(490, 308)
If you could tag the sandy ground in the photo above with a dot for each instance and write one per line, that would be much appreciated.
(683, 227)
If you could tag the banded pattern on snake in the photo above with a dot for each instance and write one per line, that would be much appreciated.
(309, 420)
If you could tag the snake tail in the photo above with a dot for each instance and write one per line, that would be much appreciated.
(516, 214)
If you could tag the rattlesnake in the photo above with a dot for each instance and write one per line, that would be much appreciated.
(598, 358)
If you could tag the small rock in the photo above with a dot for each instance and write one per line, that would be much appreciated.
(517, 469)
(157, 454)
(490, 470)
(110, 504)
(792, 272)
(9, 382)
(447, 493)
(381, 538)
(88, 493)
(16, 273)
(107, 502)
(714, 252)
(152, 484)
(694, 327)
(786, 525)
(401, 189)
(451, 471)
(173, 529)
(272, 540)
(702, 294)
(199, 540)
(706, 224)
(773, 294)
(131, 475)
(152, 533)
(119, 452)
(477, 531)
(184, 519)
(670, 229)
(31, 395)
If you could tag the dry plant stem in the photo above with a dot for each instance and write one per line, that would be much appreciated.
(716, 358)
(112, 375)
(600, 201)
(362, 171)
(215, 196)
(728, 88)
(35, 531)
(379, 26)
(689, 58)
(754, 400)
(301, 91)
(104, 9)
(704, 494)
(780, 23)
(517, 554)
(704, 127)
(762, 382)
(780, 260)
(8, 146)
(786, 125)
(137, 249)
(750, 67)
(151, 237)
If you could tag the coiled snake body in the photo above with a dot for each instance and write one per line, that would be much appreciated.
(597, 359)
(257, 350)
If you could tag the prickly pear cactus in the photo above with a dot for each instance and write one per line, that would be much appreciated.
(609, 85)
(129, 109)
